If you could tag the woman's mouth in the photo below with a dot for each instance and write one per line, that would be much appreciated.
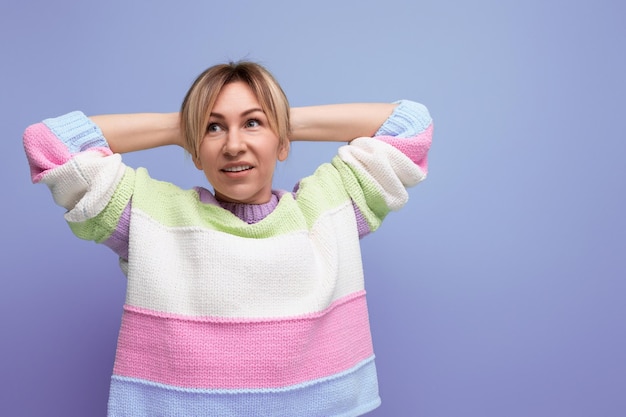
(237, 168)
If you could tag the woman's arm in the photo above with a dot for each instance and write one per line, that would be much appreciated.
(338, 122)
(138, 131)
(334, 122)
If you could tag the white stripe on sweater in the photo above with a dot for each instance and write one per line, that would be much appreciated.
(85, 184)
(387, 168)
(198, 272)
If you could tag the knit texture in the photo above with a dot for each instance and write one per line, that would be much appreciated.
(235, 309)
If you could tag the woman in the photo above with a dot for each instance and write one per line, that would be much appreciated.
(248, 300)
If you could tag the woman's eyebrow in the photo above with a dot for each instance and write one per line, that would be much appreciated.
(245, 113)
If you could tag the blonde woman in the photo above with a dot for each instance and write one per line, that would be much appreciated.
(243, 300)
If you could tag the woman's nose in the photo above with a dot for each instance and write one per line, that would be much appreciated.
(235, 143)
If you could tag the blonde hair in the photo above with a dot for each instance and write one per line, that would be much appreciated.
(201, 97)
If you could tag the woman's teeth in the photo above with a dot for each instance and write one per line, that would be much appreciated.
(237, 169)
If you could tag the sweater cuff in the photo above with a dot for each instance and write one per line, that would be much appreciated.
(76, 131)
(407, 120)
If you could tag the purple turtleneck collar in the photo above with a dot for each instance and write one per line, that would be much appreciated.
(249, 213)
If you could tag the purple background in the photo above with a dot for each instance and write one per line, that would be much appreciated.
(498, 291)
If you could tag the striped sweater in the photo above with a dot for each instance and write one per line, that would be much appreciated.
(237, 310)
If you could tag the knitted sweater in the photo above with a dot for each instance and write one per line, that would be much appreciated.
(233, 309)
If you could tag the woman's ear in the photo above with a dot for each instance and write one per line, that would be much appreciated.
(197, 162)
(283, 150)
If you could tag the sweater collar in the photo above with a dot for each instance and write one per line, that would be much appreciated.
(249, 213)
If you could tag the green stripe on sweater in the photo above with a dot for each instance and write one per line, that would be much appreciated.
(172, 206)
(364, 193)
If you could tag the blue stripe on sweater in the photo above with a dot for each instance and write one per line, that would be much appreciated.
(76, 131)
(407, 120)
(350, 393)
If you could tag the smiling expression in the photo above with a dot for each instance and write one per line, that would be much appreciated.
(239, 151)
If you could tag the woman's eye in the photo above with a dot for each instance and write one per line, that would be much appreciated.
(213, 128)
(253, 123)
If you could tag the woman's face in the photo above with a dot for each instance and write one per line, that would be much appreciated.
(239, 151)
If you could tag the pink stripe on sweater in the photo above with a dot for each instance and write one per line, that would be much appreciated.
(222, 354)
(44, 150)
(415, 148)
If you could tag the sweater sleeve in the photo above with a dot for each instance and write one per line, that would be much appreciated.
(71, 156)
(376, 171)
